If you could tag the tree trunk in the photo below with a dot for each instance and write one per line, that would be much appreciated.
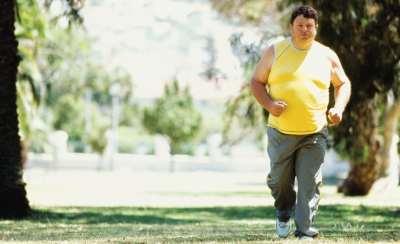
(362, 175)
(174, 148)
(24, 153)
(13, 203)
(388, 178)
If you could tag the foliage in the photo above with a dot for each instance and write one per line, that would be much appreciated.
(14, 203)
(97, 137)
(249, 54)
(131, 129)
(30, 32)
(69, 66)
(256, 12)
(261, 14)
(29, 81)
(70, 117)
(57, 66)
(130, 114)
(174, 116)
(366, 36)
(34, 33)
(263, 18)
(243, 106)
(135, 139)
(244, 110)
(70, 9)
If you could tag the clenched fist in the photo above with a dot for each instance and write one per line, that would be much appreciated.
(335, 115)
(276, 108)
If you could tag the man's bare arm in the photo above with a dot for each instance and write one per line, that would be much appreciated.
(260, 80)
(342, 89)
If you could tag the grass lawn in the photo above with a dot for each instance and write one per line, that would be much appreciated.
(84, 207)
(242, 224)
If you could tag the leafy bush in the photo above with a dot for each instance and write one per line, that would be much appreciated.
(174, 116)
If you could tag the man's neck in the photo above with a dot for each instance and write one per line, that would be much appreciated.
(302, 46)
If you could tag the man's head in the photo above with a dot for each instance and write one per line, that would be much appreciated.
(307, 12)
(304, 24)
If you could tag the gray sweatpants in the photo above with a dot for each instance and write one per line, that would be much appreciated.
(301, 156)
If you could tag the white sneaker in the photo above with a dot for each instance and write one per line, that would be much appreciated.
(283, 228)
(306, 238)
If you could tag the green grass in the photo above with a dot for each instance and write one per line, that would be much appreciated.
(244, 224)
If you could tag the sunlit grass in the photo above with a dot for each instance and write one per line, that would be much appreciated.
(336, 223)
(197, 207)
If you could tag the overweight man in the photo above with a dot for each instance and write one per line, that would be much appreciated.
(299, 71)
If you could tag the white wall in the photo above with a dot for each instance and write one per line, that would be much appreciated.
(139, 162)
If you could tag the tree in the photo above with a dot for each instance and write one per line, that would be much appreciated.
(14, 203)
(389, 173)
(174, 116)
(69, 66)
(29, 81)
(365, 35)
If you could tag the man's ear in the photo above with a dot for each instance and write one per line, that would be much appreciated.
(316, 27)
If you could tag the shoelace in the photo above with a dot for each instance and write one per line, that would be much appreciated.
(282, 224)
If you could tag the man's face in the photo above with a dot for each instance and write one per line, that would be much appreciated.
(303, 30)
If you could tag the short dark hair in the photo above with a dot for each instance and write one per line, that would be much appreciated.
(306, 11)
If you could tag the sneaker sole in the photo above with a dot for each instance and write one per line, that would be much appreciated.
(286, 234)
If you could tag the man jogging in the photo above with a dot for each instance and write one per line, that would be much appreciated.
(299, 71)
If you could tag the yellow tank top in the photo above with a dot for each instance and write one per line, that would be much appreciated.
(301, 79)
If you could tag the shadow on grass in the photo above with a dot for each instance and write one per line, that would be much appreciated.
(328, 214)
(134, 215)
(197, 224)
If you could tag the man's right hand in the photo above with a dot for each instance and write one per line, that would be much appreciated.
(276, 108)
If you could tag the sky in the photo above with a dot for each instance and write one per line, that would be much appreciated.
(158, 40)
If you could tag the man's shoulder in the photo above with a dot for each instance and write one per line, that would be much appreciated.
(282, 45)
(331, 55)
(321, 46)
(283, 42)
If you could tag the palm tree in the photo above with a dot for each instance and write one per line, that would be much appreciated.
(14, 203)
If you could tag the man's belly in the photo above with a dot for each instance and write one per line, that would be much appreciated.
(306, 107)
